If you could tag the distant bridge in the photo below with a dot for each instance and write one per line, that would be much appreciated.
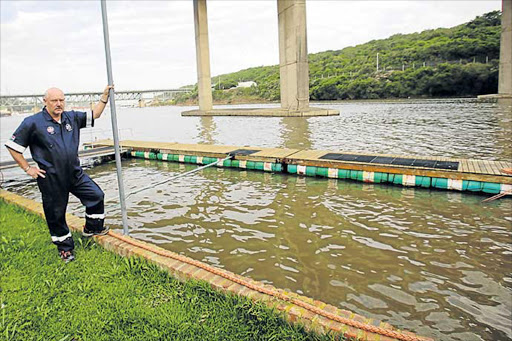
(23, 103)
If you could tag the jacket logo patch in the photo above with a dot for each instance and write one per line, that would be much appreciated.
(13, 137)
(68, 127)
(50, 130)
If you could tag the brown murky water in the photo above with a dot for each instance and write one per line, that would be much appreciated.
(438, 263)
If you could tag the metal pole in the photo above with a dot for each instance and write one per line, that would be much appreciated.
(114, 117)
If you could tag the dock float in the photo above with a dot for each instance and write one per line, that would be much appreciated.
(471, 175)
(314, 315)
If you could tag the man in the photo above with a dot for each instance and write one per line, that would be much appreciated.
(53, 136)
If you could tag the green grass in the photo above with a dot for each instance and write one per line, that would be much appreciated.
(102, 296)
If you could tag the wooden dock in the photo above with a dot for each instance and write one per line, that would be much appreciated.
(435, 172)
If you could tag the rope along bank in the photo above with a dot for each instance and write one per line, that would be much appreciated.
(356, 324)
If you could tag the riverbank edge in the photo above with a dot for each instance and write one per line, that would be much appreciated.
(184, 270)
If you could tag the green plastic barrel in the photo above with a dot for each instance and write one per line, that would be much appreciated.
(259, 165)
(356, 175)
(322, 171)
(423, 181)
(465, 185)
(227, 163)
(395, 178)
(380, 177)
(277, 167)
(310, 171)
(491, 187)
(292, 169)
(152, 156)
(343, 173)
(440, 183)
(475, 186)
(250, 165)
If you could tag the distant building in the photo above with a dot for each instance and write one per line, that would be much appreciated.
(246, 84)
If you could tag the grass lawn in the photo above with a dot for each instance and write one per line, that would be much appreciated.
(102, 296)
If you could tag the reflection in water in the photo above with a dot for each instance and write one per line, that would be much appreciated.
(505, 104)
(435, 262)
(295, 133)
(206, 130)
(504, 122)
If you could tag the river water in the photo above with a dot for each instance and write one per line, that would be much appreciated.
(438, 263)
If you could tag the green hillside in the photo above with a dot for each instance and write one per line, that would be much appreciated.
(457, 61)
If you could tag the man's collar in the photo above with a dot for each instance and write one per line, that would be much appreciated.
(47, 115)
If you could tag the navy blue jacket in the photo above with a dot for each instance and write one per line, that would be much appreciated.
(53, 145)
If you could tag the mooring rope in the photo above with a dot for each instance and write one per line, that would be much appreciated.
(274, 293)
(497, 196)
(172, 178)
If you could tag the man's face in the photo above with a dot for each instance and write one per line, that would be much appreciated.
(55, 102)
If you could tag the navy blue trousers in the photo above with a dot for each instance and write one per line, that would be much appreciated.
(55, 191)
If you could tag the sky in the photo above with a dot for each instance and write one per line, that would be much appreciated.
(60, 43)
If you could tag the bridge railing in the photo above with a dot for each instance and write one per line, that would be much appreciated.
(10, 103)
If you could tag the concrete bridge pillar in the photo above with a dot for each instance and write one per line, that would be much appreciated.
(293, 54)
(505, 73)
(202, 55)
(293, 66)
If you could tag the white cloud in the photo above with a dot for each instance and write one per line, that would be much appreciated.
(47, 43)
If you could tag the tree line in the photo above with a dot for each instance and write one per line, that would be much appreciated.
(458, 61)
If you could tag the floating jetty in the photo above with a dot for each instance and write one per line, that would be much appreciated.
(426, 172)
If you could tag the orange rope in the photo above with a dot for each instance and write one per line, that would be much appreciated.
(497, 196)
(281, 296)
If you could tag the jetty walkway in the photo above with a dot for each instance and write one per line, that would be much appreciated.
(491, 177)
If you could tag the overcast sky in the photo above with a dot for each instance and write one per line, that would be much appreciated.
(60, 43)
